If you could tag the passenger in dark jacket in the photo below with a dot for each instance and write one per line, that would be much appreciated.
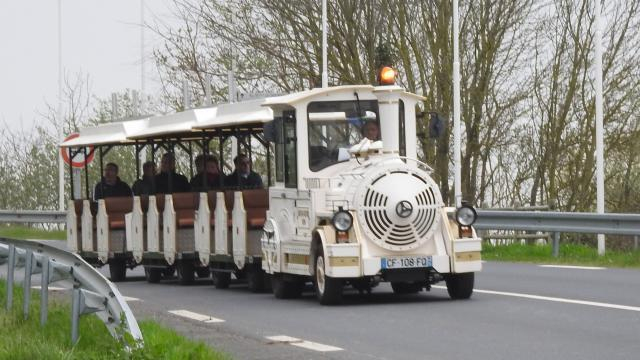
(146, 185)
(208, 174)
(111, 185)
(168, 181)
(242, 177)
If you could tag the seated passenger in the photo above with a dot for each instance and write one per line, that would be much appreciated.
(242, 176)
(371, 131)
(208, 176)
(111, 185)
(146, 185)
(168, 181)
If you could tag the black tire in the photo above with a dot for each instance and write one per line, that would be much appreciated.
(221, 279)
(169, 272)
(406, 287)
(203, 272)
(256, 280)
(286, 289)
(117, 270)
(460, 286)
(328, 289)
(153, 275)
(186, 272)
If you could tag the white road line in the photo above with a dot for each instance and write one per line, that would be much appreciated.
(554, 299)
(195, 316)
(129, 299)
(310, 345)
(573, 267)
(51, 288)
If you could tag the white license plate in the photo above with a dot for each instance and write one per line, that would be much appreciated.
(406, 262)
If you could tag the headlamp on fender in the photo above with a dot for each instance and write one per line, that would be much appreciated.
(466, 215)
(342, 220)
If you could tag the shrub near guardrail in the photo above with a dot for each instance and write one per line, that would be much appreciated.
(570, 254)
(25, 339)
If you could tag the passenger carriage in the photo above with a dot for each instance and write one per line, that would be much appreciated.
(342, 209)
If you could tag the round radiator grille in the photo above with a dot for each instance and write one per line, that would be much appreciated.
(398, 210)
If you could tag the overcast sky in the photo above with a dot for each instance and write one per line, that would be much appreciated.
(100, 38)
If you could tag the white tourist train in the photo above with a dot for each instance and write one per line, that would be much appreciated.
(345, 207)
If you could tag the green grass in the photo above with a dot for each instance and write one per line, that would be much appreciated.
(25, 339)
(26, 232)
(570, 254)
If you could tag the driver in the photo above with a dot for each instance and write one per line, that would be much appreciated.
(371, 131)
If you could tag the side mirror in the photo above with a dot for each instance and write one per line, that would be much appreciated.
(437, 125)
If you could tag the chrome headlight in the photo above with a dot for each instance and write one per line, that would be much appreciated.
(466, 215)
(342, 220)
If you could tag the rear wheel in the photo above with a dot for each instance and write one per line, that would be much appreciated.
(221, 279)
(186, 272)
(153, 275)
(286, 289)
(328, 289)
(460, 286)
(406, 287)
(117, 270)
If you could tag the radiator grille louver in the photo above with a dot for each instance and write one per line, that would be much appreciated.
(381, 219)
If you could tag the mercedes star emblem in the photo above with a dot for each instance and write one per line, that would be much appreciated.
(404, 209)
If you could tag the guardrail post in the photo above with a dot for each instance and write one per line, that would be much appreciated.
(556, 244)
(10, 271)
(26, 287)
(75, 315)
(635, 242)
(44, 291)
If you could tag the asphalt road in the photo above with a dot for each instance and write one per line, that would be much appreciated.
(518, 311)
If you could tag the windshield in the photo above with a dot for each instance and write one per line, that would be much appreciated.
(334, 126)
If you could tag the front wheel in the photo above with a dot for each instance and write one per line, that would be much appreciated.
(460, 286)
(117, 270)
(221, 279)
(328, 289)
(152, 274)
(286, 289)
(186, 272)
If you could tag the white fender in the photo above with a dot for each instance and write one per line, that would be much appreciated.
(102, 232)
(87, 227)
(153, 226)
(202, 230)
(169, 230)
(135, 230)
(221, 226)
(271, 249)
(239, 230)
(72, 228)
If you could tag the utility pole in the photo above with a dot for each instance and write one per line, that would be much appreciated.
(60, 115)
(325, 76)
(456, 109)
(599, 122)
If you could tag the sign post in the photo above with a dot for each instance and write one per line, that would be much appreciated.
(77, 162)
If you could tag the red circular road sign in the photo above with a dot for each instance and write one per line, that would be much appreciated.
(78, 160)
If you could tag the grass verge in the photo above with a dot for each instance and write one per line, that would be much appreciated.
(27, 232)
(570, 254)
(25, 339)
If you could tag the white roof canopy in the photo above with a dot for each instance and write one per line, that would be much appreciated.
(237, 114)
(177, 123)
(106, 134)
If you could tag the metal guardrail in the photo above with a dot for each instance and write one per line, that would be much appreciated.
(559, 222)
(585, 223)
(32, 216)
(92, 292)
